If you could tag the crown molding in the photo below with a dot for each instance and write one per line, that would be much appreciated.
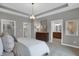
(55, 11)
(70, 7)
(12, 11)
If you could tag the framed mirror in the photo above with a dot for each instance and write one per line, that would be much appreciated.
(27, 30)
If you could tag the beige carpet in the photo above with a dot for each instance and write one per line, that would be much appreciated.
(56, 49)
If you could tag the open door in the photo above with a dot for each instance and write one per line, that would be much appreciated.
(56, 31)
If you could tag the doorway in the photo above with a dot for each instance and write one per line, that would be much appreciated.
(56, 31)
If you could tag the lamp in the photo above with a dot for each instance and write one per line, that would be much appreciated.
(32, 16)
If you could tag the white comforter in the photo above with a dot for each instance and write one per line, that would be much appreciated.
(8, 54)
(26, 46)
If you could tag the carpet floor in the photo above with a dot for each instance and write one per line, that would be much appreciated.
(56, 49)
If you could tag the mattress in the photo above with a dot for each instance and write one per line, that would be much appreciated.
(30, 47)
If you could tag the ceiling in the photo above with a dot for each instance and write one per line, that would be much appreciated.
(39, 8)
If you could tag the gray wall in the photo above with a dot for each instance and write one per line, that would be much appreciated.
(68, 15)
(19, 22)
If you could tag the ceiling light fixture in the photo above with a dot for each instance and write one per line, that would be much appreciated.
(32, 16)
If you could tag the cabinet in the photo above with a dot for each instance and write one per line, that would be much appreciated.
(57, 35)
(42, 36)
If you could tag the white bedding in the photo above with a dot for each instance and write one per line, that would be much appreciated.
(32, 47)
(8, 54)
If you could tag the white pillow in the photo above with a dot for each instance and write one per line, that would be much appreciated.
(1, 47)
(8, 43)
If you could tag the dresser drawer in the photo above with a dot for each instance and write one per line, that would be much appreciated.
(42, 36)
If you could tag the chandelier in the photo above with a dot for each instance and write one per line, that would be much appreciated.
(32, 16)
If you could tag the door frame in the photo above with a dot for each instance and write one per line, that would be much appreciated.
(52, 22)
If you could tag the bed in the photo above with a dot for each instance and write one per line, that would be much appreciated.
(30, 47)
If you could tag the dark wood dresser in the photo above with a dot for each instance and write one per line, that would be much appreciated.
(57, 35)
(44, 36)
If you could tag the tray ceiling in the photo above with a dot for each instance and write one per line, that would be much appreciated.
(39, 8)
